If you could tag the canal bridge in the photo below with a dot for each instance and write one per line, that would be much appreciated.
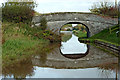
(95, 23)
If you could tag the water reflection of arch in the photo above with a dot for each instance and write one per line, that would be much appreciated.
(87, 29)
(76, 56)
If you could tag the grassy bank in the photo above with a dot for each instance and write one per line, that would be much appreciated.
(107, 36)
(20, 40)
(80, 34)
(66, 37)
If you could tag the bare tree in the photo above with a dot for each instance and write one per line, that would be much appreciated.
(105, 8)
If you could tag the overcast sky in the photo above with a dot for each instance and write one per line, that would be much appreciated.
(47, 6)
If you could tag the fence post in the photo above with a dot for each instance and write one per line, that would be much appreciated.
(110, 30)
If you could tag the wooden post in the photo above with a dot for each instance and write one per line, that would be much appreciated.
(110, 30)
(116, 74)
(115, 3)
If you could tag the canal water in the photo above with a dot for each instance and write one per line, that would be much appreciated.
(72, 46)
(70, 59)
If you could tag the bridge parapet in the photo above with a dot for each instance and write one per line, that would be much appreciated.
(76, 17)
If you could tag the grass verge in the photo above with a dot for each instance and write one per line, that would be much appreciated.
(106, 36)
(80, 34)
(20, 41)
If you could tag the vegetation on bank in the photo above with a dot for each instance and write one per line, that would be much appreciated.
(20, 40)
(105, 8)
(67, 27)
(107, 36)
(66, 37)
(80, 34)
(18, 11)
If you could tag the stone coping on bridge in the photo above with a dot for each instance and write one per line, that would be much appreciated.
(67, 13)
(53, 13)
(82, 16)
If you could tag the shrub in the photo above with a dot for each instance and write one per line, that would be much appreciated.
(51, 36)
(36, 32)
(43, 23)
(105, 8)
(18, 11)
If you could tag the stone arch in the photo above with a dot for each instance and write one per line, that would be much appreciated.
(88, 31)
(95, 23)
(56, 26)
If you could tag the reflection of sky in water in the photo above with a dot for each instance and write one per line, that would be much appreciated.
(73, 46)
(44, 72)
(41, 72)
(0, 77)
